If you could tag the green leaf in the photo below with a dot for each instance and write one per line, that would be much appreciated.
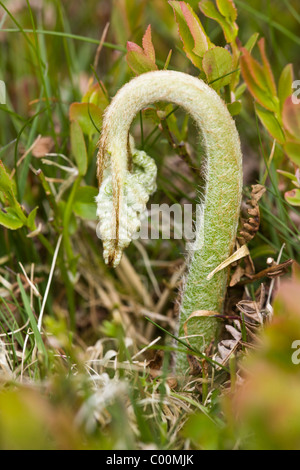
(217, 63)
(270, 122)
(9, 219)
(88, 116)
(84, 202)
(262, 251)
(251, 42)
(240, 91)
(293, 197)
(235, 108)
(285, 87)
(12, 214)
(78, 147)
(289, 175)
(31, 219)
(97, 95)
(195, 41)
(142, 60)
(292, 149)
(151, 114)
(7, 186)
(228, 9)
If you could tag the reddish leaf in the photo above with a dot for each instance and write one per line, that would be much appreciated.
(137, 60)
(290, 176)
(291, 118)
(201, 40)
(254, 75)
(148, 45)
(195, 41)
(267, 67)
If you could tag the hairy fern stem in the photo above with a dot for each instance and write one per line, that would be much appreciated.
(127, 178)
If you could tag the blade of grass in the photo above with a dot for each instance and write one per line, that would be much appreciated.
(65, 35)
(49, 283)
(270, 22)
(20, 29)
(293, 11)
(68, 48)
(38, 338)
(21, 180)
(190, 348)
(42, 69)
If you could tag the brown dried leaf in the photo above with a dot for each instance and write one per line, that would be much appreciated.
(258, 190)
(239, 254)
(249, 267)
(235, 332)
(43, 146)
(247, 270)
(195, 366)
(156, 362)
(251, 225)
(172, 382)
(228, 346)
(272, 272)
(251, 309)
(237, 276)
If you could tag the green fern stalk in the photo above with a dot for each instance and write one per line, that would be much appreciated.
(127, 178)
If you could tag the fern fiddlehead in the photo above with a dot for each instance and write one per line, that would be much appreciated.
(127, 179)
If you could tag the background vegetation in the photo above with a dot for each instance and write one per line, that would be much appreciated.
(86, 351)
